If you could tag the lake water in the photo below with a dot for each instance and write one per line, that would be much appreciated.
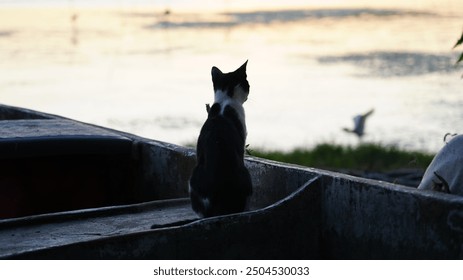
(144, 66)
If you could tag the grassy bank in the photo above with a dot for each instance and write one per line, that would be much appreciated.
(366, 157)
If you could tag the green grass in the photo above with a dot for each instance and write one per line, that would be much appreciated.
(367, 157)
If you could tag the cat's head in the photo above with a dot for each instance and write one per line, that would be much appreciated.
(231, 85)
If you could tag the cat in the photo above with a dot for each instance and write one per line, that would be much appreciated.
(220, 183)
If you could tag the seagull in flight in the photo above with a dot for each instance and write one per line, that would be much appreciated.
(359, 124)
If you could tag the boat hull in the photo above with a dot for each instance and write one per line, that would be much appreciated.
(295, 212)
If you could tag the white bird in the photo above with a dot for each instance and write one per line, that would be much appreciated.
(359, 124)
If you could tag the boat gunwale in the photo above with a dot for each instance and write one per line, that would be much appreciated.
(106, 211)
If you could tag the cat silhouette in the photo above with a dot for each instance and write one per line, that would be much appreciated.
(220, 183)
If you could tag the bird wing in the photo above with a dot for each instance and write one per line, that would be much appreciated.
(368, 113)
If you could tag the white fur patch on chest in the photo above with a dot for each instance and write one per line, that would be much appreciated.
(236, 103)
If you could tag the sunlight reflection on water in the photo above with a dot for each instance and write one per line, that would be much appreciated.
(147, 71)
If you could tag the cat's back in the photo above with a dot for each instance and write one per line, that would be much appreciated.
(220, 183)
(222, 133)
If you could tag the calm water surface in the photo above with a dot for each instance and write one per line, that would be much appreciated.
(144, 66)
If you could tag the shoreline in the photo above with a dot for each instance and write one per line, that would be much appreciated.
(366, 160)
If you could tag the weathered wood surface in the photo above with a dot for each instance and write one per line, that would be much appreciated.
(267, 233)
(34, 233)
(405, 177)
(38, 128)
(48, 137)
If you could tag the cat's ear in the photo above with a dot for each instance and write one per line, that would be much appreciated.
(242, 68)
(215, 72)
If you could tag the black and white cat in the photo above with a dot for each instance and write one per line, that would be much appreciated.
(220, 183)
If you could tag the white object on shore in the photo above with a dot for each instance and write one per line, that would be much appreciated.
(446, 169)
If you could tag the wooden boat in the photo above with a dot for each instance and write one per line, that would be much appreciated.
(70, 190)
